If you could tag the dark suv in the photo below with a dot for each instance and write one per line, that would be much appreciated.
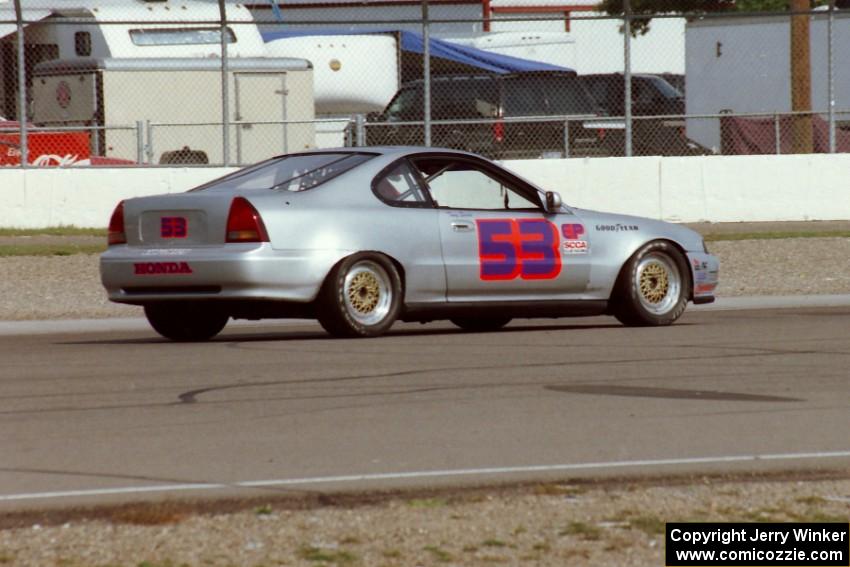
(515, 116)
(652, 96)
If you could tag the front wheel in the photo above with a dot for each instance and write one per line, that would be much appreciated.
(185, 322)
(361, 297)
(653, 287)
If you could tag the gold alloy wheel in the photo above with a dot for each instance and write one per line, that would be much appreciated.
(364, 292)
(654, 283)
(658, 283)
(367, 292)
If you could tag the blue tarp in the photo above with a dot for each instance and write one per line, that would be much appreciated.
(412, 43)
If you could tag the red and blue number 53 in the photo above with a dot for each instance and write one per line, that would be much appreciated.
(524, 248)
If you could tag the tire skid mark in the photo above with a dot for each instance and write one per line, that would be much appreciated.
(191, 397)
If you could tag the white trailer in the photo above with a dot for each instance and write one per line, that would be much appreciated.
(743, 65)
(73, 29)
(169, 110)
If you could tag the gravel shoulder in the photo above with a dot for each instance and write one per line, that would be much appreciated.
(68, 287)
(553, 525)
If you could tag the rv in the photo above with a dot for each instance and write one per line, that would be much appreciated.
(78, 53)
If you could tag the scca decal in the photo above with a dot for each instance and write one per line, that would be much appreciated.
(524, 248)
(151, 268)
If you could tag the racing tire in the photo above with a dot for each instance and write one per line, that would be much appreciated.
(653, 287)
(361, 297)
(186, 322)
(481, 325)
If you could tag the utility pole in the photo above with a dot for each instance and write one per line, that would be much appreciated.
(801, 78)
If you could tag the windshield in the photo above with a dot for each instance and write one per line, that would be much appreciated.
(666, 89)
(291, 173)
(407, 105)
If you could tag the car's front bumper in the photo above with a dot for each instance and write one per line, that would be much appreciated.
(705, 270)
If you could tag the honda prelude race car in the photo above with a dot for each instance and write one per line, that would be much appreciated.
(361, 237)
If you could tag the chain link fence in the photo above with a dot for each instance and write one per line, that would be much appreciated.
(192, 83)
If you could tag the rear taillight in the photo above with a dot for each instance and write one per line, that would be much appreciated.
(244, 223)
(498, 131)
(117, 235)
(600, 134)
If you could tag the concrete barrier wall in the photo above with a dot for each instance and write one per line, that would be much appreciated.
(714, 188)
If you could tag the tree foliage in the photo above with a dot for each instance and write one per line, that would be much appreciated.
(643, 10)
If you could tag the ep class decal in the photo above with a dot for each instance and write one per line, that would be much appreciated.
(573, 241)
(518, 248)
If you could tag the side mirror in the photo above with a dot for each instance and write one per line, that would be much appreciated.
(553, 202)
(374, 117)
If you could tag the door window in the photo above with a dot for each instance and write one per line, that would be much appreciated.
(459, 184)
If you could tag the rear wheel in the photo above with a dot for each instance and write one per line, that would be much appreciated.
(653, 288)
(361, 297)
(479, 324)
(186, 322)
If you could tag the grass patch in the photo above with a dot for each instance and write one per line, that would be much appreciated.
(493, 543)
(585, 531)
(811, 500)
(775, 235)
(391, 554)
(426, 503)
(815, 516)
(558, 490)
(7, 250)
(265, 510)
(54, 231)
(650, 525)
(148, 514)
(439, 553)
(327, 555)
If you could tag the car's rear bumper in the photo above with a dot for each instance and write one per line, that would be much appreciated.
(230, 272)
(705, 270)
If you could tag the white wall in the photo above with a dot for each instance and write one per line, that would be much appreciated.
(686, 189)
(711, 188)
(38, 198)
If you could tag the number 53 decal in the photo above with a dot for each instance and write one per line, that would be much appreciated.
(524, 248)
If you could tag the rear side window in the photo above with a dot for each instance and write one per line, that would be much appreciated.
(400, 187)
(466, 99)
(291, 173)
(547, 95)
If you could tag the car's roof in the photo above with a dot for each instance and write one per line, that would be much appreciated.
(385, 150)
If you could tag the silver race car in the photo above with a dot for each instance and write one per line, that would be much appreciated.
(361, 237)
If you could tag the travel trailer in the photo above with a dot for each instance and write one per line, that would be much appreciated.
(112, 65)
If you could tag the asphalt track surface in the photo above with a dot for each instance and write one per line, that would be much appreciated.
(120, 414)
